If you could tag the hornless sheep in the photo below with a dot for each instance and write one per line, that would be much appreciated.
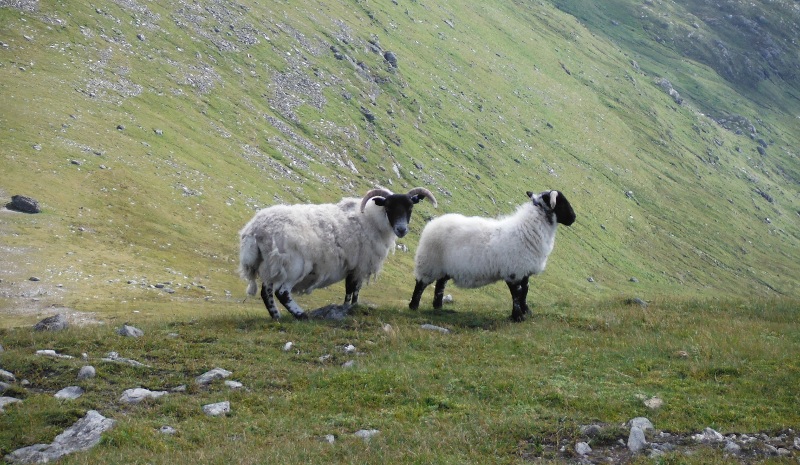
(475, 251)
(305, 247)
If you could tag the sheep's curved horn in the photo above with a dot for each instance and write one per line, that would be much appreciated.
(425, 193)
(379, 192)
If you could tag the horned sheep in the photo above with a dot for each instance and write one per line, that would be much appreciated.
(476, 251)
(309, 246)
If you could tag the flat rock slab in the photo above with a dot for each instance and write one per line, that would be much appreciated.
(331, 312)
(69, 393)
(83, 435)
(211, 375)
(218, 409)
(6, 401)
(52, 323)
(136, 395)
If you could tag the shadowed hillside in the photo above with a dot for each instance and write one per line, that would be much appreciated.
(150, 134)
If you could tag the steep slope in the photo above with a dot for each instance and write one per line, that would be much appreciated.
(152, 132)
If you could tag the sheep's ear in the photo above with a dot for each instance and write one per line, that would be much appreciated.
(379, 201)
(530, 194)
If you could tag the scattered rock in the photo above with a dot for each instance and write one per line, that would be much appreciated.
(24, 204)
(168, 430)
(52, 353)
(81, 436)
(329, 438)
(211, 375)
(331, 312)
(8, 376)
(390, 58)
(448, 299)
(288, 346)
(641, 422)
(366, 434)
(653, 403)
(636, 300)
(708, 435)
(636, 440)
(215, 410)
(114, 357)
(130, 331)
(582, 448)
(349, 364)
(52, 323)
(7, 401)
(136, 395)
(234, 384)
(87, 372)
(431, 327)
(69, 393)
(732, 448)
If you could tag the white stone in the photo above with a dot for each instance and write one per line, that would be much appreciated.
(366, 434)
(87, 372)
(233, 384)
(8, 376)
(215, 410)
(431, 327)
(636, 440)
(211, 375)
(7, 401)
(288, 346)
(168, 430)
(641, 422)
(136, 395)
(582, 448)
(81, 436)
(69, 393)
(52, 353)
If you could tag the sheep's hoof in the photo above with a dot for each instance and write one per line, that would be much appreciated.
(301, 316)
(517, 317)
(413, 305)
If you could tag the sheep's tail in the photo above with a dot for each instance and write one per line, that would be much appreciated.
(249, 260)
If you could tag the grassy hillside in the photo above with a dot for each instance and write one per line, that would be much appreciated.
(151, 133)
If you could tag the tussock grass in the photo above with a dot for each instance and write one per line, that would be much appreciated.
(481, 394)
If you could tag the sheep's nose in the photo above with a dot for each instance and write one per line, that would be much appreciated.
(401, 231)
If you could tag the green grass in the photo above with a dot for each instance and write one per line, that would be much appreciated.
(480, 394)
(488, 101)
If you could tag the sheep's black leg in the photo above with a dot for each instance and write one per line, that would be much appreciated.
(269, 302)
(523, 296)
(517, 312)
(438, 293)
(285, 297)
(351, 288)
(418, 290)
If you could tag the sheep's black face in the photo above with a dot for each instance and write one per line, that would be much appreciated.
(398, 209)
(556, 202)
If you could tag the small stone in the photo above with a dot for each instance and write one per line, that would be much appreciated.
(349, 364)
(211, 375)
(431, 327)
(732, 448)
(641, 422)
(366, 434)
(215, 410)
(7, 401)
(34, 279)
(69, 393)
(288, 346)
(159, 132)
(582, 448)
(8, 376)
(653, 403)
(636, 440)
(52, 323)
(136, 395)
(329, 438)
(168, 430)
(87, 372)
(448, 299)
(130, 331)
(52, 353)
(233, 384)
(634, 280)
(349, 349)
